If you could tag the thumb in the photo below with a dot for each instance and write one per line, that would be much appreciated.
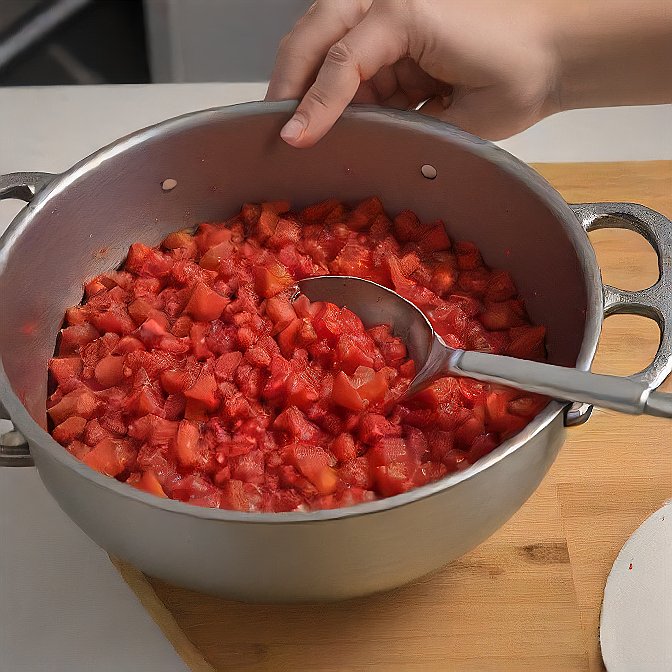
(359, 55)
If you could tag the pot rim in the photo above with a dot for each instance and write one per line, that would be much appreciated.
(48, 447)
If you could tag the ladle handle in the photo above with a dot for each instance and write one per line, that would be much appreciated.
(614, 392)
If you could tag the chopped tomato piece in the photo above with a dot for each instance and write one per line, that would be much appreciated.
(314, 463)
(272, 279)
(205, 304)
(345, 394)
(110, 370)
(204, 392)
(149, 483)
(188, 439)
(110, 456)
(65, 369)
(69, 430)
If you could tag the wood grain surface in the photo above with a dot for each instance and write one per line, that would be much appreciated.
(528, 598)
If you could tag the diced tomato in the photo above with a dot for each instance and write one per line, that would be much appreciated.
(198, 333)
(69, 430)
(75, 337)
(295, 423)
(435, 238)
(388, 450)
(407, 227)
(497, 412)
(110, 456)
(527, 342)
(356, 472)
(305, 308)
(468, 431)
(210, 236)
(187, 444)
(374, 426)
(65, 369)
(248, 467)
(139, 310)
(503, 315)
(129, 344)
(205, 304)
(392, 479)
(183, 240)
(527, 406)
(204, 392)
(407, 369)
(80, 402)
(501, 287)
(481, 446)
(355, 259)
(368, 210)
(456, 460)
(272, 279)
(153, 430)
(319, 211)
(468, 256)
(343, 447)
(281, 312)
(345, 394)
(374, 385)
(314, 463)
(234, 496)
(149, 483)
(443, 279)
(110, 370)
(349, 355)
(95, 432)
(327, 322)
(146, 261)
(78, 449)
(226, 365)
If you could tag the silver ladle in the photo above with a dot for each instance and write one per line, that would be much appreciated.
(375, 304)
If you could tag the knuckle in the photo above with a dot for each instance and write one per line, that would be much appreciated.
(318, 96)
(340, 54)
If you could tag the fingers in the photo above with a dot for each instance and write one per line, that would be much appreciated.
(358, 56)
(302, 51)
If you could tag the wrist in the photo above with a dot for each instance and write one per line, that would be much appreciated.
(610, 52)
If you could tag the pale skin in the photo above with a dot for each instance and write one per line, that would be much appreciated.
(491, 67)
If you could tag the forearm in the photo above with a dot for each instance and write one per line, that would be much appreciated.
(612, 52)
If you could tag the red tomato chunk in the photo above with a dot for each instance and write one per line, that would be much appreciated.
(190, 374)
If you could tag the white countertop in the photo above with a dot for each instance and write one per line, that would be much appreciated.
(63, 607)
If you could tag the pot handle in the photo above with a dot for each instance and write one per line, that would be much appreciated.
(14, 450)
(23, 186)
(654, 302)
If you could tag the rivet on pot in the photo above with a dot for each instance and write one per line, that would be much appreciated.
(428, 171)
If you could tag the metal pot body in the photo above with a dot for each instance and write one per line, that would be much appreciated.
(81, 223)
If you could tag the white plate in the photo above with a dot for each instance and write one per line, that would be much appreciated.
(636, 620)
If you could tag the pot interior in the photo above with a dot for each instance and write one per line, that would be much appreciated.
(84, 223)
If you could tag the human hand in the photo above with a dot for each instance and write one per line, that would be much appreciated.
(486, 66)
(491, 67)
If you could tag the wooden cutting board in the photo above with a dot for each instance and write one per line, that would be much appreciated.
(529, 597)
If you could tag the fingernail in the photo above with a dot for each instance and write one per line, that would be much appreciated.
(292, 130)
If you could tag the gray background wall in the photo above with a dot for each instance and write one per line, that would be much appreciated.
(217, 40)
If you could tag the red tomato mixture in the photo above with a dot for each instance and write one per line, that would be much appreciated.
(190, 374)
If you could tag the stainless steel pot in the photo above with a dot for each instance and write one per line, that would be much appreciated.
(81, 222)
